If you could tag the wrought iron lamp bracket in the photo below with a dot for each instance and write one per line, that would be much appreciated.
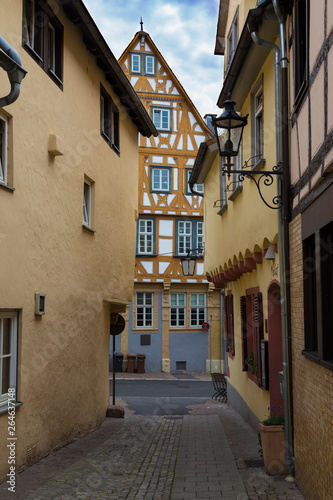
(261, 178)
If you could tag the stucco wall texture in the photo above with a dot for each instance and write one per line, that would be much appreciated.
(63, 355)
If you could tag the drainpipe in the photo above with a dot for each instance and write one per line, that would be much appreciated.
(10, 61)
(281, 119)
(287, 366)
(221, 328)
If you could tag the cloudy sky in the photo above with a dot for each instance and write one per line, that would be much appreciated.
(184, 31)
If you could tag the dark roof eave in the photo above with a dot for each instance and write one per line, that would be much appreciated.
(92, 37)
(204, 159)
(248, 59)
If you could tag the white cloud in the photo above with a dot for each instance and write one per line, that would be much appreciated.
(184, 32)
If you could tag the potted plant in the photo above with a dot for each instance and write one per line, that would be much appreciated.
(251, 362)
(271, 438)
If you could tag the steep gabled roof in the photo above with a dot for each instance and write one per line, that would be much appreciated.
(92, 37)
(168, 70)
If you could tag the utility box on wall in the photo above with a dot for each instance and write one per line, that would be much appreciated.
(264, 364)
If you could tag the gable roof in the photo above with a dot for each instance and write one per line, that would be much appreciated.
(169, 71)
(92, 37)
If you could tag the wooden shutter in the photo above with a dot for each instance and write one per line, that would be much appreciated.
(231, 323)
(259, 331)
(243, 331)
(226, 329)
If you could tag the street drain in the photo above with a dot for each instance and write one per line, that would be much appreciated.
(251, 464)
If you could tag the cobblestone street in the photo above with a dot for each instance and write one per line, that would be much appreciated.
(157, 457)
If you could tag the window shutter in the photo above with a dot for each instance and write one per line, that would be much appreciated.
(226, 329)
(243, 331)
(259, 330)
(231, 323)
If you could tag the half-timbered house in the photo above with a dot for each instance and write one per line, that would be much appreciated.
(166, 315)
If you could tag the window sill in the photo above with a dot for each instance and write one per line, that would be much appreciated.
(55, 78)
(32, 53)
(259, 165)
(7, 188)
(149, 329)
(146, 255)
(160, 191)
(313, 356)
(87, 228)
(235, 193)
(4, 409)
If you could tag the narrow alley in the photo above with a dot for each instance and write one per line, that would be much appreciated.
(207, 454)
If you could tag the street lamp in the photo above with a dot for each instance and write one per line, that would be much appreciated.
(188, 262)
(229, 130)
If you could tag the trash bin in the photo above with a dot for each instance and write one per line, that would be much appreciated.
(131, 363)
(141, 363)
(118, 361)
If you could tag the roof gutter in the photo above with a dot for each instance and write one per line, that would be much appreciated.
(92, 37)
(197, 168)
(11, 62)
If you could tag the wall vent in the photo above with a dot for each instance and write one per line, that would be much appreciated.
(181, 366)
(39, 303)
(31, 454)
(145, 339)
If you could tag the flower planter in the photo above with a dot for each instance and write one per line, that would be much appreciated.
(273, 448)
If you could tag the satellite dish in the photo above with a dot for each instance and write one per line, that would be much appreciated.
(118, 327)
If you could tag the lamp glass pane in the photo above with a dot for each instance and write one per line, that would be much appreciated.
(184, 263)
(191, 267)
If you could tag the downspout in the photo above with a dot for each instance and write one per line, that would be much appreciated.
(287, 366)
(11, 62)
(281, 128)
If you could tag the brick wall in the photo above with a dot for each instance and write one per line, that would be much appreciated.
(312, 394)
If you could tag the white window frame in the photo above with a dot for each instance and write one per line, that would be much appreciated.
(158, 118)
(135, 56)
(222, 202)
(177, 311)
(146, 237)
(257, 122)
(12, 355)
(200, 234)
(237, 185)
(160, 171)
(184, 237)
(232, 40)
(196, 309)
(4, 150)
(148, 58)
(146, 309)
(87, 198)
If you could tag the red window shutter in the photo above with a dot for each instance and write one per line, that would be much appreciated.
(259, 331)
(231, 323)
(226, 328)
(243, 331)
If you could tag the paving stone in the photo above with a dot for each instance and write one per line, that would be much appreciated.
(152, 457)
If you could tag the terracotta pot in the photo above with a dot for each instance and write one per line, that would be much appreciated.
(273, 448)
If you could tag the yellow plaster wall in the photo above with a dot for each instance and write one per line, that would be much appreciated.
(247, 222)
(63, 356)
(246, 226)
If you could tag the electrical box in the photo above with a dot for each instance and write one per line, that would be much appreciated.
(39, 303)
